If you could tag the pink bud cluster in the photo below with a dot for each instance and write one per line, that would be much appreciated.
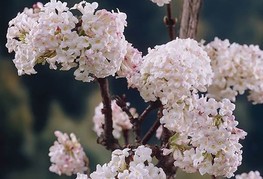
(67, 155)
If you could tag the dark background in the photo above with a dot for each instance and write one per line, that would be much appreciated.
(32, 107)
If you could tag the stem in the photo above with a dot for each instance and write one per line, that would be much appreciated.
(126, 137)
(121, 102)
(154, 127)
(150, 132)
(107, 139)
(189, 20)
(170, 22)
(141, 118)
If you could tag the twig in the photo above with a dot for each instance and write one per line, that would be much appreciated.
(154, 127)
(170, 22)
(126, 136)
(189, 19)
(150, 132)
(107, 139)
(121, 102)
(141, 118)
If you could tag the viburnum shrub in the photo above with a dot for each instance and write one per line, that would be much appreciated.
(193, 86)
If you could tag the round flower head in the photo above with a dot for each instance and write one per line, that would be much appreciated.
(129, 163)
(67, 155)
(237, 68)
(173, 71)
(120, 119)
(250, 175)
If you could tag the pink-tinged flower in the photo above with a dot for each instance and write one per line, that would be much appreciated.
(94, 44)
(237, 68)
(130, 65)
(67, 155)
(129, 163)
(180, 64)
(120, 119)
(206, 137)
(250, 175)
(103, 32)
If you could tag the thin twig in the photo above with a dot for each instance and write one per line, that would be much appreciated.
(169, 21)
(137, 123)
(121, 102)
(126, 137)
(150, 132)
(107, 139)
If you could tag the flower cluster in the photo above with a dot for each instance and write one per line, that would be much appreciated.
(67, 155)
(128, 163)
(206, 138)
(175, 65)
(120, 119)
(237, 68)
(130, 65)
(161, 2)
(250, 175)
(94, 44)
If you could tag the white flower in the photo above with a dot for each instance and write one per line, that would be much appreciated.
(161, 2)
(107, 46)
(94, 44)
(67, 155)
(250, 175)
(128, 163)
(237, 68)
(206, 138)
(120, 119)
(81, 176)
(173, 71)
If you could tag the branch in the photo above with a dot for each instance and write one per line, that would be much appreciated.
(150, 132)
(107, 139)
(121, 102)
(154, 127)
(189, 20)
(170, 22)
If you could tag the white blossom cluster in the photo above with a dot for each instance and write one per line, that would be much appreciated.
(206, 138)
(94, 44)
(173, 71)
(250, 175)
(120, 119)
(237, 68)
(128, 163)
(161, 2)
(67, 155)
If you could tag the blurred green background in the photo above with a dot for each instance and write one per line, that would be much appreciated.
(33, 107)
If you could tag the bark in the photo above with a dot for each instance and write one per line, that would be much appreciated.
(189, 20)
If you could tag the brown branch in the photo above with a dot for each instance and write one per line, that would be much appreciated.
(170, 22)
(150, 132)
(107, 139)
(189, 19)
(121, 102)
